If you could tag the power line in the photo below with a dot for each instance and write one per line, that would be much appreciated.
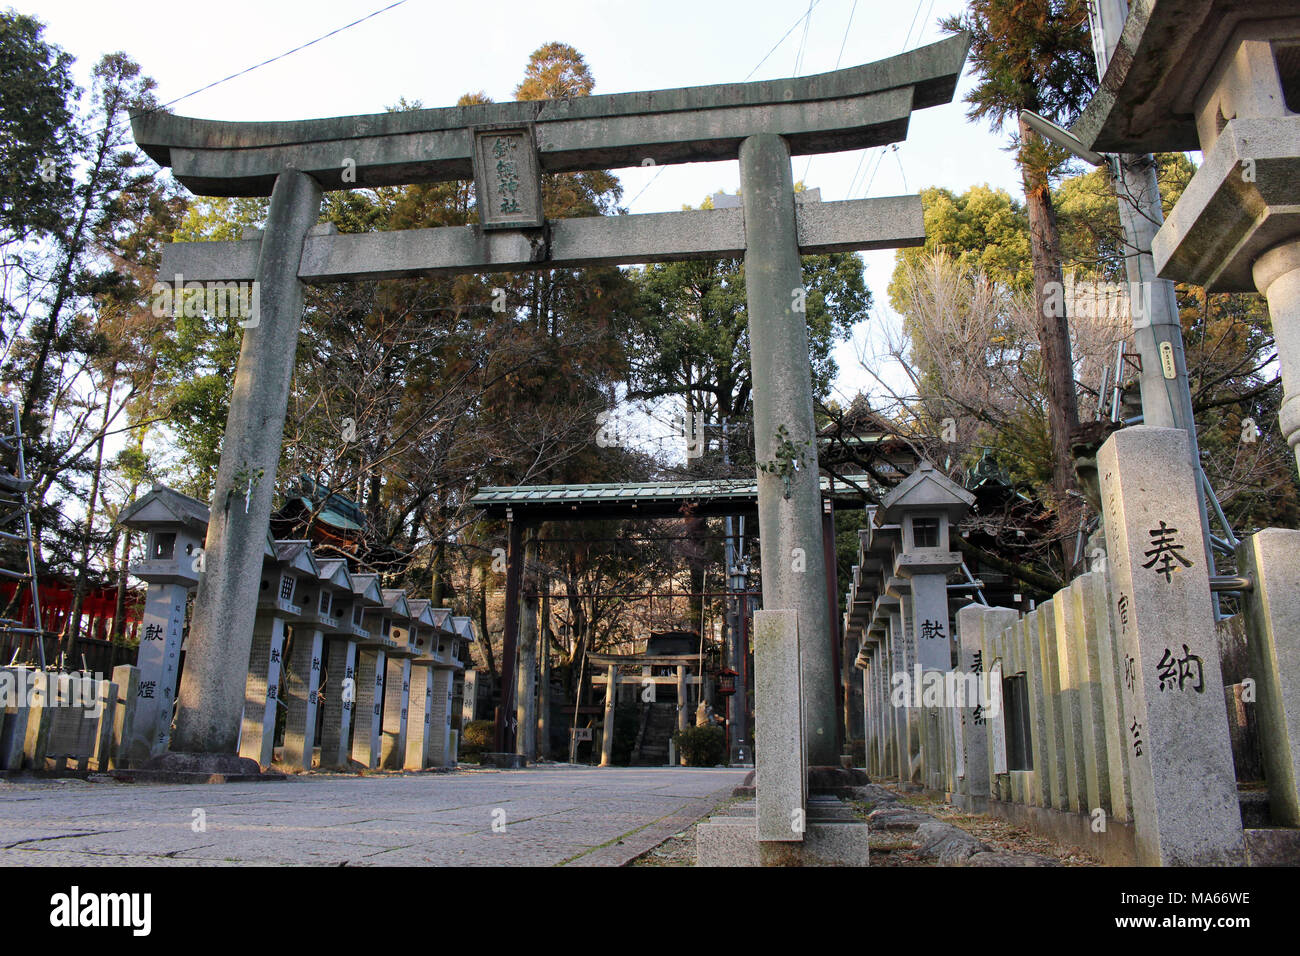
(257, 66)
(846, 34)
(906, 40)
(879, 159)
(838, 58)
(803, 41)
(928, 10)
(787, 33)
(853, 183)
(901, 171)
(915, 15)
(784, 36)
(854, 178)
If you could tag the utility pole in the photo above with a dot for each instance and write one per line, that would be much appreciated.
(737, 583)
(1157, 331)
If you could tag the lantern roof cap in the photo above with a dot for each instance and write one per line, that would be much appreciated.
(366, 588)
(334, 572)
(165, 509)
(395, 601)
(926, 489)
(297, 555)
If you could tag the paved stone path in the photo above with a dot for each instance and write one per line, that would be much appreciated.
(544, 816)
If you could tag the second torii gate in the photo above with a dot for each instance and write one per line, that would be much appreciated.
(505, 147)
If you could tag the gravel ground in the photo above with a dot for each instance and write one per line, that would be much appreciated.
(896, 847)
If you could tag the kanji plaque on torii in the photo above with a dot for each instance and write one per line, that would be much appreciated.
(506, 178)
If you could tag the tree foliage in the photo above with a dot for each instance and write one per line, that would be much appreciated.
(1036, 55)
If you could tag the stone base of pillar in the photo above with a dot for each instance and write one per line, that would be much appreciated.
(197, 768)
(832, 837)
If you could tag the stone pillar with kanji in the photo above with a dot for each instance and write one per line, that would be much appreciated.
(1185, 806)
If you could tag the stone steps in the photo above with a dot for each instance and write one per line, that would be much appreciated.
(659, 724)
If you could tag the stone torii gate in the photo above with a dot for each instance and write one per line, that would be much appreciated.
(505, 147)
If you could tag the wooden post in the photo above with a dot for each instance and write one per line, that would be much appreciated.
(504, 732)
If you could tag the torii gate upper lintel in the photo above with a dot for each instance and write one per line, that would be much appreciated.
(867, 105)
(504, 148)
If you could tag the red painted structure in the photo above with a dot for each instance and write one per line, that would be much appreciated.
(98, 609)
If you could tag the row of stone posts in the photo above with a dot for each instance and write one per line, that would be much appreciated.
(381, 666)
(898, 604)
(1107, 701)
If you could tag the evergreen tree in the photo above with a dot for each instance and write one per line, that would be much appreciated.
(1036, 55)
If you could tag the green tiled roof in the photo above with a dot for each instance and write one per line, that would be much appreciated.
(708, 497)
(630, 492)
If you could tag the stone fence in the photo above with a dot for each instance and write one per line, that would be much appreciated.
(51, 720)
(1101, 716)
(1047, 727)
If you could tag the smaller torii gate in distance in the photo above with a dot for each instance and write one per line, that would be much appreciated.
(504, 147)
(681, 680)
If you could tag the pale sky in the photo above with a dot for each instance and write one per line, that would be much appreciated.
(434, 52)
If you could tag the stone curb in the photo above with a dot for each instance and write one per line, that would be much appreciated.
(181, 776)
(633, 845)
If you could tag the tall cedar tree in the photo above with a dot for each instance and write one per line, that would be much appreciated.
(37, 151)
(1036, 55)
(579, 319)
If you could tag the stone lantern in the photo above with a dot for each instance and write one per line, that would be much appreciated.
(338, 682)
(288, 581)
(397, 680)
(288, 578)
(372, 658)
(464, 636)
(463, 625)
(421, 635)
(892, 617)
(926, 505)
(440, 648)
(174, 526)
(326, 606)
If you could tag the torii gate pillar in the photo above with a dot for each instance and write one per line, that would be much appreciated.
(794, 566)
(212, 684)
